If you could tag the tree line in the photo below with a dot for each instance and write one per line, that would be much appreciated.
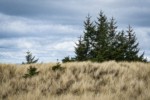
(102, 41)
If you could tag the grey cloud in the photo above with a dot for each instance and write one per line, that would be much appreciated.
(140, 19)
(18, 27)
(34, 8)
(74, 12)
(143, 35)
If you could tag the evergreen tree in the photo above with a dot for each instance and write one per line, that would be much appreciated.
(84, 47)
(68, 59)
(121, 46)
(32, 71)
(132, 49)
(101, 40)
(30, 59)
(89, 36)
(111, 39)
(80, 50)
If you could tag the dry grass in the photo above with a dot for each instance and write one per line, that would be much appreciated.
(79, 81)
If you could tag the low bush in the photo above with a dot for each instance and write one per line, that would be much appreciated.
(32, 71)
(57, 67)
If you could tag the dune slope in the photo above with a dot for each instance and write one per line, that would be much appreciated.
(77, 81)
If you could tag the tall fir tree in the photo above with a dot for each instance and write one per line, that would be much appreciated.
(132, 49)
(111, 39)
(101, 40)
(89, 36)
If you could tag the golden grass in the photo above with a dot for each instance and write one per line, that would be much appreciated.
(79, 81)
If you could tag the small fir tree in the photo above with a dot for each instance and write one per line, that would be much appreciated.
(30, 59)
(68, 59)
(32, 71)
(57, 66)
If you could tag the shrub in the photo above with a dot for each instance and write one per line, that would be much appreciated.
(68, 59)
(32, 71)
(57, 67)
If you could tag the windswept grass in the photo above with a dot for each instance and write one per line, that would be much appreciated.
(78, 81)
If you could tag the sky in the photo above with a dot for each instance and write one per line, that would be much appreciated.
(50, 28)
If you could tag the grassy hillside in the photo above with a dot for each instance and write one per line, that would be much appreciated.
(78, 81)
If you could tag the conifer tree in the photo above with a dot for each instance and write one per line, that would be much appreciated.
(101, 40)
(111, 39)
(89, 36)
(132, 49)
(80, 50)
(68, 59)
(30, 59)
(121, 46)
(84, 47)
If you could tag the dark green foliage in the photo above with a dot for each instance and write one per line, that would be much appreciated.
(111, 39)
(84, 50)
(80, 50)
(132, 47)
(30, 59)
(89, 37)
(101, 42)
(121, 47)
(68, 59)
(57, 67)
(32, 71)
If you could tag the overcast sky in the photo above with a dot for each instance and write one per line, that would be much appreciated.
(50, 28)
